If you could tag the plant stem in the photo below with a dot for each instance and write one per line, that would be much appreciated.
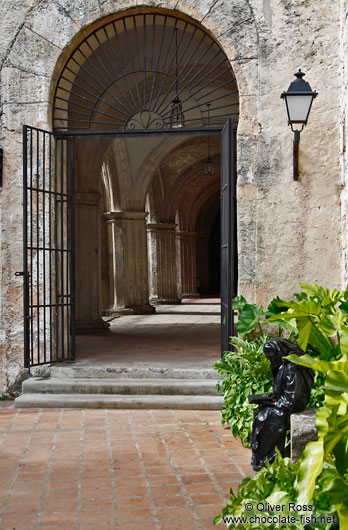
(260, 328)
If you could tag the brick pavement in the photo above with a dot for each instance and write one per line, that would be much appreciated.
(115, 469)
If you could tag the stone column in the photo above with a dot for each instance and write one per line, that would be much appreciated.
(129, 282)
(87, 263)
(186, 247)
(162, 263)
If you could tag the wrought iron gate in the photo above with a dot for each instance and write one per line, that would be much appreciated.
(228, 235)
(49, 232)
(48, 247)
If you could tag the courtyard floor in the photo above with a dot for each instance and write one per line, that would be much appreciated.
(115, 469)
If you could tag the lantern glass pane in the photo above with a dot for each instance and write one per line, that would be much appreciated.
(298, 108)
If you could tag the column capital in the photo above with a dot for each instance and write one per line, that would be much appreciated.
(126, 216)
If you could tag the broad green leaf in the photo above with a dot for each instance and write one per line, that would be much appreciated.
(218, 519)
(342, 420)
(238, 303)
(341, 455)
(338, 495)
(334, 398)
(301, 297)
(332, 438)
(286, 315)
(343, 334)
(249, 318)
(299, 309)
(306, 308)
(313, 289)
(310, 362)
(344, 307)
(329, 325)
(275, 307)
(322, 421)
(289, 325)
(304, 326)
(327, 296)
(342, 510)
(310, 467)
(337, 380)
(321, 342)
(278, 497)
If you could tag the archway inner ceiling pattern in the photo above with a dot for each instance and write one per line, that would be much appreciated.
(135, 72)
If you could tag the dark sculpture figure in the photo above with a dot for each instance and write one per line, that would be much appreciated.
(291, 392)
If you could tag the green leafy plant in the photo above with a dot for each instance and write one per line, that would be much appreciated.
(318, 318)
(322, 320)
(244, 372)
(272, 486)
(252, 319)
(332, 444)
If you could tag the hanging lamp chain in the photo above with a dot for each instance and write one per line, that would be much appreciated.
(208, 105)
(176, 63)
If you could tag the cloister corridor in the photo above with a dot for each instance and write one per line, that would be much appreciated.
(183, 335)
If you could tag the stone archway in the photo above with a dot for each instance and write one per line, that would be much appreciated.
(116, 79)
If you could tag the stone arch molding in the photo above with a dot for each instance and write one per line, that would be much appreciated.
(48, 32)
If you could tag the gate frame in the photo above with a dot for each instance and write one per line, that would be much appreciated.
(228, 292)
(65, 301)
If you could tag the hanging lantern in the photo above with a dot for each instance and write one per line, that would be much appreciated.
(177, 118)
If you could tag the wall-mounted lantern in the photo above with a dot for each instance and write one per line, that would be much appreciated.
(298, 102)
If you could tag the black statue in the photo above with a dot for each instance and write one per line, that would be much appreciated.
(291, 392)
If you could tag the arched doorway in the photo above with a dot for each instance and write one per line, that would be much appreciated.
(127, 97)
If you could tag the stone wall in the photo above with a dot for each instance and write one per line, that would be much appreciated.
(288, 231)
(344, 136)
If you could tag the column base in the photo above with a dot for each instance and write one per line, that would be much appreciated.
(136, 310)
(91, 326)
(168, 301)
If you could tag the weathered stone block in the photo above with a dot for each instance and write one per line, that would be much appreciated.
(303, 430)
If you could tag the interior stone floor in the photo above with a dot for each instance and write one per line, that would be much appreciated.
(182, 335)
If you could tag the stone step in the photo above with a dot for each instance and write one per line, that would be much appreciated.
(131, 370)
(104, 401)
(69, 385)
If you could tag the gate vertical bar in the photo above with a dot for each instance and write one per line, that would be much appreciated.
(55, 249)
(25, 250)
(61, 247)
(71, 233)
(228, 236)
(30, 277)
(44, 244)
(37, 222)
(50, 245)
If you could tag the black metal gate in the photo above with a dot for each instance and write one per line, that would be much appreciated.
(228, 235)
(48, 232)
